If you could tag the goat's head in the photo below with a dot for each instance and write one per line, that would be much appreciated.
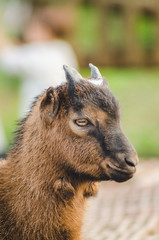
(82, 120)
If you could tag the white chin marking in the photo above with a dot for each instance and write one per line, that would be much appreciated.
(97, 82)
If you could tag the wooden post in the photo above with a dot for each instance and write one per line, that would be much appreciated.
(103, 49)
(156, 47)
(132, 48)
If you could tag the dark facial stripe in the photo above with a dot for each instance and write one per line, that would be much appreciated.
(100, 139)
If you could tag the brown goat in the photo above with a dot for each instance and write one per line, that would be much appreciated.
(70, 140)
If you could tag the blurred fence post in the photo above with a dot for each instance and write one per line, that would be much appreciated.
(131, 48)
(103, 51)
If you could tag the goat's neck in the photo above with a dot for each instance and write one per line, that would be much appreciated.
(36, 180)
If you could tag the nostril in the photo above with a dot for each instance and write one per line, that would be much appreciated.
(130, 162)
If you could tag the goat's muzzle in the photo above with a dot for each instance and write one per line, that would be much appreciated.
(123, 169)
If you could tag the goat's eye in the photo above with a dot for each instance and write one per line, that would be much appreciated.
(82, 122)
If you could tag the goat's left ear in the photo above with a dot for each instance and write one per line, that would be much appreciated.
(49, 105)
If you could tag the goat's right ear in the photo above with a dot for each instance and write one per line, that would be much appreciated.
(49, 106)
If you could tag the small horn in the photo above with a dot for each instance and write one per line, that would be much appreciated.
(96, 77)
(94, 71)
(72, 74)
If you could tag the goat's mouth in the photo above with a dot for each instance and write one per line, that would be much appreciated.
(119, 175)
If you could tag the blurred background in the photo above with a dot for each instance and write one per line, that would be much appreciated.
(120, 37)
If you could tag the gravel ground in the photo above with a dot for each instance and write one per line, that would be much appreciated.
(126, 211)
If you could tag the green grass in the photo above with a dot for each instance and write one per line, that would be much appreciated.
(137, 91)
(9, 88)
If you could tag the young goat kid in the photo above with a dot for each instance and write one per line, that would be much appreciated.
(70, 140)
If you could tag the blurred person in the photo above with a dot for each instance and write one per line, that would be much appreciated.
(15, 15)
(39, 62)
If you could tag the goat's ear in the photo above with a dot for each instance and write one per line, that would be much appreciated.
(49, 105)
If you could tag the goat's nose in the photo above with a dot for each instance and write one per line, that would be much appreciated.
(131, 161)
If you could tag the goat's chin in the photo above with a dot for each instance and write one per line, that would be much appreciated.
(116, 174)
(119, 176)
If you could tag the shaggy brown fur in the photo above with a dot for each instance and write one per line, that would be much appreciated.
(70, 140)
